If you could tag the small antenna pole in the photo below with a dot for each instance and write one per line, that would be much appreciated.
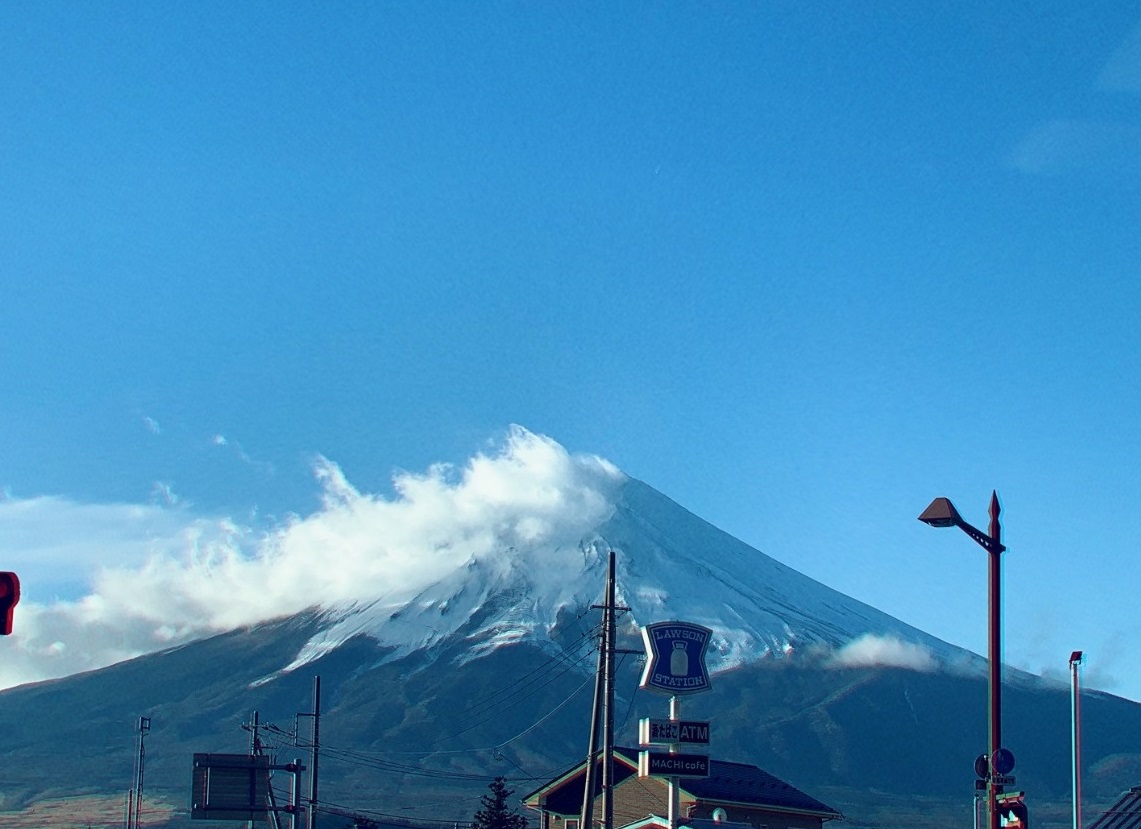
(144, 729)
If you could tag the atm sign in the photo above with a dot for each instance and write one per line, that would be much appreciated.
(667, 732)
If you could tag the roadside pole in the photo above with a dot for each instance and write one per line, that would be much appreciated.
(675, 748)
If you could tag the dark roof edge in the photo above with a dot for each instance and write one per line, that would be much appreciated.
(791, 810)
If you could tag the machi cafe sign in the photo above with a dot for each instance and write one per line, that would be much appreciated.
(675, 658)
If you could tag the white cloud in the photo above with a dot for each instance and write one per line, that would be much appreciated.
(236, 449)
(53, 538)
(159, 577)
(1068, 146)
(889, 652)
(163, 493)
(1123, 70)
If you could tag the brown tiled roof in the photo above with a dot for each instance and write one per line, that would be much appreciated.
(739, 783)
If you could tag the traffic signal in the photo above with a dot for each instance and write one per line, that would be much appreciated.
(9, 595)
(1012, 810)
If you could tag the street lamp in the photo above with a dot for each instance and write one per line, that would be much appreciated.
(942, 513)
(1076, 734)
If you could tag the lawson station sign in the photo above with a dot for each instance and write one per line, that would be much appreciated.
(675, 658)
(675, 665)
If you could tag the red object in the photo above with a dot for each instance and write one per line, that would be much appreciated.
(9, 596)
(1012, 807)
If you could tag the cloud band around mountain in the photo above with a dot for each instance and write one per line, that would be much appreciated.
(152, 578)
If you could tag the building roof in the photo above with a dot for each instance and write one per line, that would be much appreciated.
(707, 823)
(750, 785)
(659, 822)
(1124, 814)
(737, 783)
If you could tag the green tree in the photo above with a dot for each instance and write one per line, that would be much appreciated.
(496, 814)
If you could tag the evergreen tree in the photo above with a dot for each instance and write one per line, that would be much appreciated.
(496, 814)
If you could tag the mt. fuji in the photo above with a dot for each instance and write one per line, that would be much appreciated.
(529, 525)
(670, 564)
(453, 626)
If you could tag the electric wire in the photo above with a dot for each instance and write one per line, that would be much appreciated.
(500, 698)
(345, 811)
(512, 700)
(570, 656)
(280, 738)
(364, 760)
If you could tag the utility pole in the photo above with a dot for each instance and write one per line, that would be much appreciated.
(135, 795)
(316, 715)
(604, 700)
(313, 756)
(587, 817)
(608, 703)
(257, 751)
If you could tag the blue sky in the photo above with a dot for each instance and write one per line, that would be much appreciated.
(801, 267)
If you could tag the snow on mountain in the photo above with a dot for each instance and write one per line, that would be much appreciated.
(473, 556)
(550, 557)
(673, 564)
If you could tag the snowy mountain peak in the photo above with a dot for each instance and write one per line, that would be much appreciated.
(546, 556)
(496, 551)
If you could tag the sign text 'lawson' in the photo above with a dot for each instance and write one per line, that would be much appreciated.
(664, 732)
(675, 657)
(660, 764)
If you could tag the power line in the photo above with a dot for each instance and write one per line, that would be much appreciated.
(500, 698)
(345, 811)
(364, 760)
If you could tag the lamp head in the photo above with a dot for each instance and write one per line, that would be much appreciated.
(1076, 656)
(941, 513)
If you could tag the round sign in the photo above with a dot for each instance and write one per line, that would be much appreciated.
(1002, 761)
(981, 766)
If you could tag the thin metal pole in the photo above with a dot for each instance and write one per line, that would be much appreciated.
(587, 817)
(271, 798)
(994, 655)
(1076, 733)
(295, 794)
(608, 719)
(313, 756)
(144, 727)
(255, 749)
(674, 805)
(255, 743)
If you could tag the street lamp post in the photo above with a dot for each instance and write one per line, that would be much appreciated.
(942, 513)
(1076, 734)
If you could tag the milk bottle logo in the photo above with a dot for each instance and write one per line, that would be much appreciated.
(675, 658)
(679, 660)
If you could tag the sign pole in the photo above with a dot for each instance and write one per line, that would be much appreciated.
(675, 716)
(675, 665)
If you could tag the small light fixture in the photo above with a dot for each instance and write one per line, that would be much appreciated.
(941, 513)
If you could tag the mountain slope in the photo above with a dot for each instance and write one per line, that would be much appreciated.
(673, 564)
(417, 737)
(670, 563)
(487, 670)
